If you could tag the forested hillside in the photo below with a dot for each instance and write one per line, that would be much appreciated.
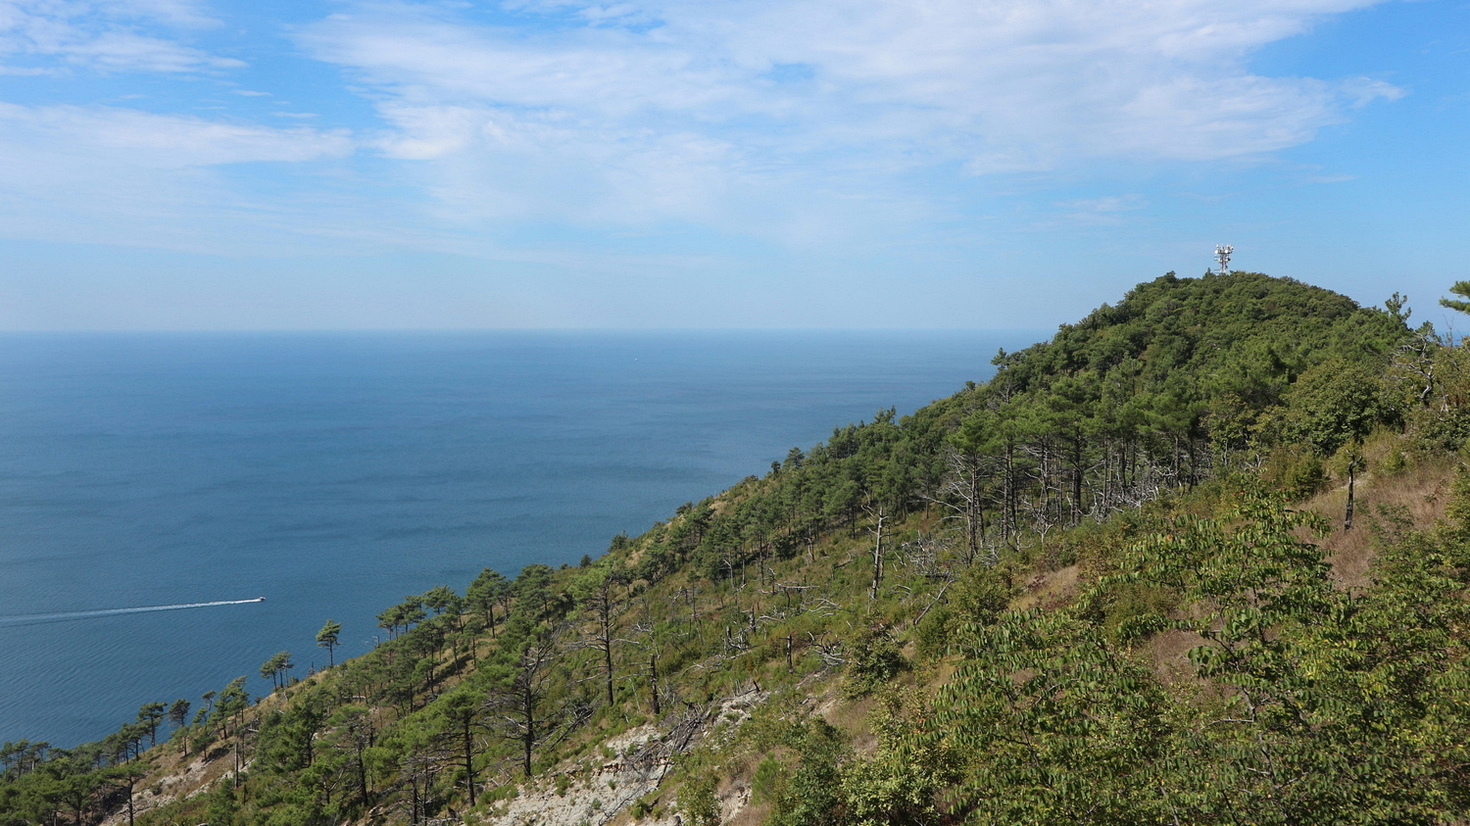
(1201, 558)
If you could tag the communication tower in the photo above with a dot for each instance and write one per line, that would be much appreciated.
(1222, 254)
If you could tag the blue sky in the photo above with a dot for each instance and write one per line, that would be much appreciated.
(391, 164)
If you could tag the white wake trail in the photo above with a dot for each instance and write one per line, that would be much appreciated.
(30, 619)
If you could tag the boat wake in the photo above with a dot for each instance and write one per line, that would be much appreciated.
(67, 616)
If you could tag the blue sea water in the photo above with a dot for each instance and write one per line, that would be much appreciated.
(335, 474)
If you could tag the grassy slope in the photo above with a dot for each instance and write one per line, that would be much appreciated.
(776, 640)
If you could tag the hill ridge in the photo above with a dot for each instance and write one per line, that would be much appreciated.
(873, 631)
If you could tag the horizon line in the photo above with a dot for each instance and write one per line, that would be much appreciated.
(491, 330)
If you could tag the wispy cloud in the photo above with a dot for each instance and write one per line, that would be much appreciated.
(129, 137)
(664, 107)
(1107, 210)
(1107, 203)
(114, 175)
(628, 135)
(106, 35)
(183, 13)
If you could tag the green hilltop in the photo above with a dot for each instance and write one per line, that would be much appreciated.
(1203, 557)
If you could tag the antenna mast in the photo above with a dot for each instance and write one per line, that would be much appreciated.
(1222, 254)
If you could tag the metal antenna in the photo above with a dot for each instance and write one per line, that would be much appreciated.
(1222, 254)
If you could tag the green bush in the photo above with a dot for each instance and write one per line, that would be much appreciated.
(769, 780)
(697, 801)
(875, 660)
(931, 635)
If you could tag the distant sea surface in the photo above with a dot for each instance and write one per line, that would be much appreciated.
(335, 474)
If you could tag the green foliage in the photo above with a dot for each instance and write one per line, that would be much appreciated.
(223, 806)
(1104, 452)
(327, 638)
(442, 598)
(810, 794)
(982, 592)
(275, 668)
(875, 659)
(697, 801)
(1327, 695)
(1333, 403)
(932, 633)
(900, 783)
(1051, 722)
(402, 616)
(1434, 380)
(1462, 289)
(1296, 470)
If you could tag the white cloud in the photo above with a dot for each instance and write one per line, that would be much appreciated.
(186, 13)
(1104, 211)
(132, 138)
(105, 35)
(496, 165)
(668, 108)
(617, 127)
(1107, 203)
(114, 175)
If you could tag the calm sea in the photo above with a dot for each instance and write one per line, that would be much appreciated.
(335, 474)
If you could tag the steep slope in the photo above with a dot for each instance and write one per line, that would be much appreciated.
(956, 615)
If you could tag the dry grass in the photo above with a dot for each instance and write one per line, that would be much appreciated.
(1420, 492)
(175, 778)
(740, 811)
(850, 716)
(1169, 653)
(1049, 589)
